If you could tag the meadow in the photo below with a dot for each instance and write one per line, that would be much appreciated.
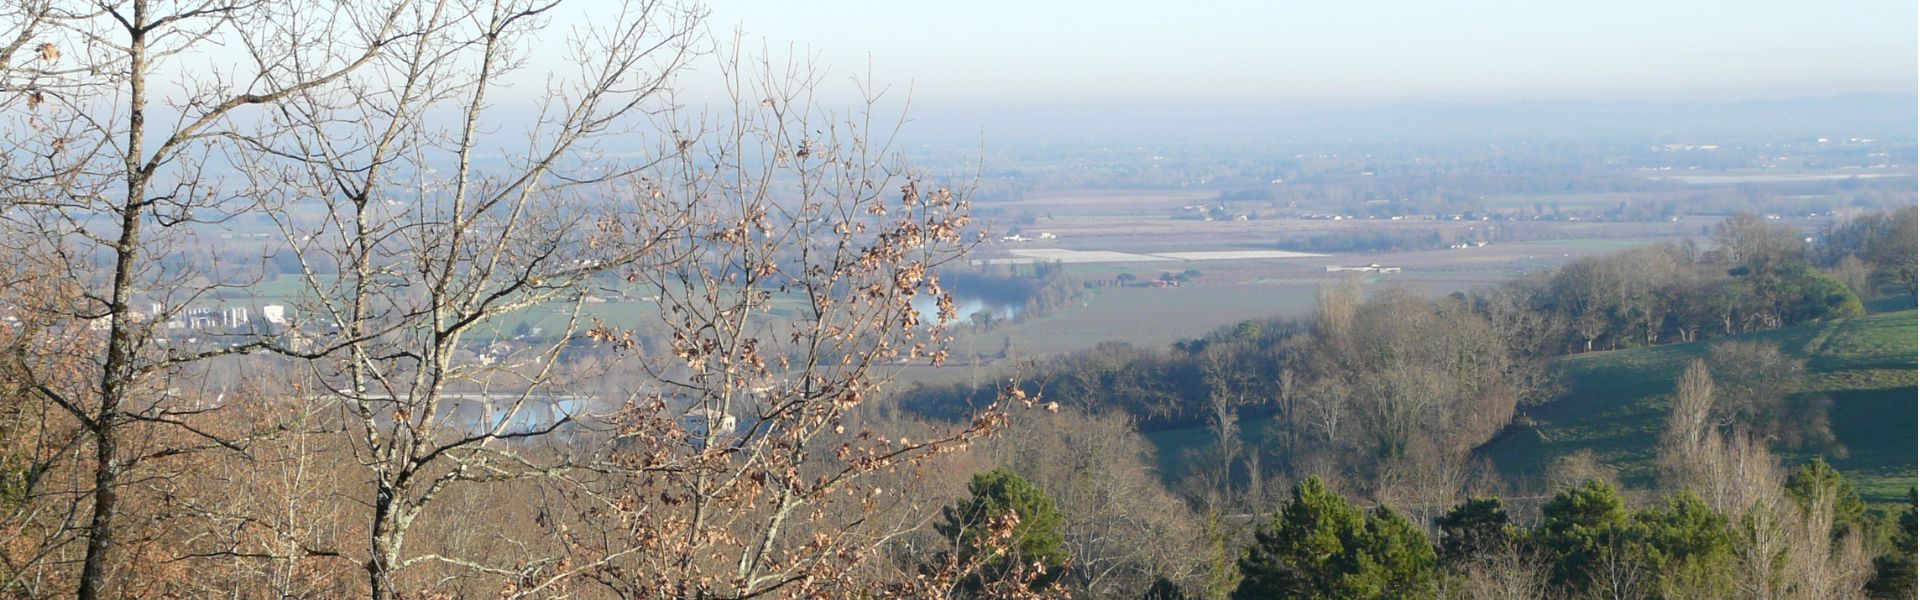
(1615, 403)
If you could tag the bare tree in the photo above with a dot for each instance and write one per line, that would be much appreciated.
(118, 156)
(439, 232)
(1122, 527)
(1690, 426)
(1510, 572)
(1756, 393)
(746, 470)
(785, 245)
(1398, 375)
(1783, 550)
(43, 480)
(1228, 384)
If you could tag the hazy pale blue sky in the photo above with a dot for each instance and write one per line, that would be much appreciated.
(1318, 54)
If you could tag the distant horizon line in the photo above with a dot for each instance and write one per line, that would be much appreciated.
(1375, 104)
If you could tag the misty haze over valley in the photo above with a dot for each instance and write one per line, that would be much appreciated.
(412, 299)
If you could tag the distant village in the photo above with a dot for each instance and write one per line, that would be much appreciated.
(205, 319)
(192, 319)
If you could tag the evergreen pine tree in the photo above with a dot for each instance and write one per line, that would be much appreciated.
(1321, 546)
(1815, 478)
(1579, 526)
(1036, 539)
(1474, 528)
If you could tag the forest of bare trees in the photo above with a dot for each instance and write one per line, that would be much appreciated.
(366, 449)
(1386, 397)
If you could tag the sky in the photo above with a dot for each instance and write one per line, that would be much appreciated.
(1060, 54)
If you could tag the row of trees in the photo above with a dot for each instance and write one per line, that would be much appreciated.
(1759, 275)
(1587, 543)
(1732, 524)
(1393, 388)
(1879, 246)
(1370, 240)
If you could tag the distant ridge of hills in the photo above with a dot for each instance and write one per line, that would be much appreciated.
(1875, 115)
(1880, 115)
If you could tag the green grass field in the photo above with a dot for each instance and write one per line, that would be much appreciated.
(1177, 450)
(1614, 403)
(1152, 316)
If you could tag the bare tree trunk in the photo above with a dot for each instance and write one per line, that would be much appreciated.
(116, 373)
(382, 561)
